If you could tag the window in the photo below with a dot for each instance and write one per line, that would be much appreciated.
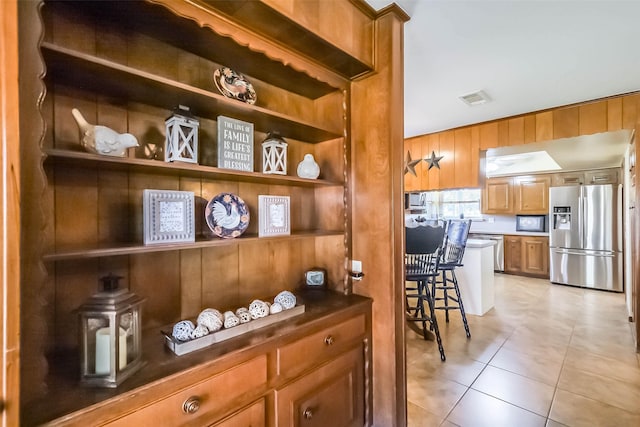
(449, 204)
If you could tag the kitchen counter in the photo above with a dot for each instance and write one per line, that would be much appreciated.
(510, 233)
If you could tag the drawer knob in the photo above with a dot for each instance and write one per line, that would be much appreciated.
(191, 405)
(307, 414)
(329, 340)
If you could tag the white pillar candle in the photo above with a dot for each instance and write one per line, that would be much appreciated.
(103, 350)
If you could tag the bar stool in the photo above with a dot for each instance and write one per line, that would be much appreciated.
(452, 254)
(422, 256)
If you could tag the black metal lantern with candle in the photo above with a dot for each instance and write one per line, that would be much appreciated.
(110, 335)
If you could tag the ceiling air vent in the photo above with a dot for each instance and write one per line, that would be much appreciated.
(475, 98)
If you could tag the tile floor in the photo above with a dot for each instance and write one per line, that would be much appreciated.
(546, 355)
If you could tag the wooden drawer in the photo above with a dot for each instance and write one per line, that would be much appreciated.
(252, 416)
(321, 346)
(330, 396)
(216, 394)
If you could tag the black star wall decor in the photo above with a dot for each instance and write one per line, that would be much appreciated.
(410, 165)
(433, 160)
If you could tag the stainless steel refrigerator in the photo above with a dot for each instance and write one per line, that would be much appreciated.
(585, 236)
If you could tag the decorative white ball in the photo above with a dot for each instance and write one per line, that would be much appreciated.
(258, 309)
(211, 319)
(275, 308)
(199, 332)
(230, 319)
(286, 299)
(243, 314)
(182, 330)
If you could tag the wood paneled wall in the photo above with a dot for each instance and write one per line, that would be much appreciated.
(461, 147)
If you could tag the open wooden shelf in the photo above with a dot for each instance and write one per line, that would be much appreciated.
(115, 80)
(84, 252)
(87, 160)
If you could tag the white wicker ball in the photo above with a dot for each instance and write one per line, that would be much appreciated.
(211, 319)
(275, 308)
(182, 330)
(243, 314)
(199, 332)
(258, 309)
(230, 319)
(286, 299)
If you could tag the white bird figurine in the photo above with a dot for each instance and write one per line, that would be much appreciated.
(226, 216)
(103, 140)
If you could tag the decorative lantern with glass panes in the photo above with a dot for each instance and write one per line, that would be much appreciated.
(181, 142)
(110, 335)
(274, 154)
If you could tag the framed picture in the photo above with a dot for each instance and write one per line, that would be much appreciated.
(274, 216)
(168, 216)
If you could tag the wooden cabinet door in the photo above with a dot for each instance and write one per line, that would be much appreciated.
(498, 196)
(332, 395)
(535, 257)
(532, 194)
(512, 254)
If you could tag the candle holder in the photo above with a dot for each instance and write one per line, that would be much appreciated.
(110, 335)
(274, 155)
(181, 142)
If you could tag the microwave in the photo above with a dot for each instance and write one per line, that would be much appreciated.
(533, 223)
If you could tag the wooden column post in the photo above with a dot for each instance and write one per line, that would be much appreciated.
(378, 209)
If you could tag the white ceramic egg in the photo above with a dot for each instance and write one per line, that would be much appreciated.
(230, 319)
(243, 314)
(183, 329)
(286, 299)
(258, 309)
(275, 308)
(199, 332)
(211, 319)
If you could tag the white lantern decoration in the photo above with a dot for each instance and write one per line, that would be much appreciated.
(274, 154)
(181, 142)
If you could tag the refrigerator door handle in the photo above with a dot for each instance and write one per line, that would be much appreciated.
(584, 253)
(580, 220)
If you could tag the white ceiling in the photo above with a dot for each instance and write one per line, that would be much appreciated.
(527, 55)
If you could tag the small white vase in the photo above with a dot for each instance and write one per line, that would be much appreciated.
(308, 168)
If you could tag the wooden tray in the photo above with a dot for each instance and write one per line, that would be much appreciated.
(184, 347)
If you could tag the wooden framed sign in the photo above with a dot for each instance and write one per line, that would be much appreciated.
(168, 216)
(235, 144)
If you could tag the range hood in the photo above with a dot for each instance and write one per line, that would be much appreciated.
(597, 151)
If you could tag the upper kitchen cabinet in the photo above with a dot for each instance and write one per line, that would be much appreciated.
(517, 195)
(532, 194)
(498, 196)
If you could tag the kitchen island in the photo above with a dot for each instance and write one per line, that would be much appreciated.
(475, 277)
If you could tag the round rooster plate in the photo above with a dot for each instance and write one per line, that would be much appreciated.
(227, 215)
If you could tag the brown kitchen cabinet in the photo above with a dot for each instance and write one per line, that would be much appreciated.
(526, 255)
(512, 254)
(498, 196)
(531, 194)
(328, 396)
